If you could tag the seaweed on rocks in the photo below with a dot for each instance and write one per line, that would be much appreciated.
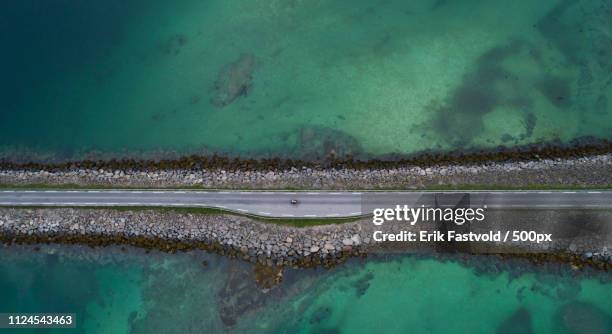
(267, 277)
(577, 148)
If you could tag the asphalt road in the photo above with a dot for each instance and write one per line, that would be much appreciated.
(310, 204)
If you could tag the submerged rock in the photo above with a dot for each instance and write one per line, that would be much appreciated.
(362, 284)
(583, 317)
(317, 143)
(239, 295)
(519, 322)
(267, 277)
(321, 314)
(234, 80)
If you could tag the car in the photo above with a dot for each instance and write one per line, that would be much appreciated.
(294, 201)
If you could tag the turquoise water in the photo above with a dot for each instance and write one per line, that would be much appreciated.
(115, 291)
(295, 78)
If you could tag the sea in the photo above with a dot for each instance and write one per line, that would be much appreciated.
(303, 79)
(128, 290)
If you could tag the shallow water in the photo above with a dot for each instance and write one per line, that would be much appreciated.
(129, 291)
(296, 78)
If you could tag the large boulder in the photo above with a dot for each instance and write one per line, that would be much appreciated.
(234, 80)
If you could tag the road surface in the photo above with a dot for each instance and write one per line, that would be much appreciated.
(277, 204)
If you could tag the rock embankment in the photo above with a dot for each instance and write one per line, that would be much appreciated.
(585, 171)
(274, 244)
(226, 234)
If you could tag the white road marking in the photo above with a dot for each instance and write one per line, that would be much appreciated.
(67, 195)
